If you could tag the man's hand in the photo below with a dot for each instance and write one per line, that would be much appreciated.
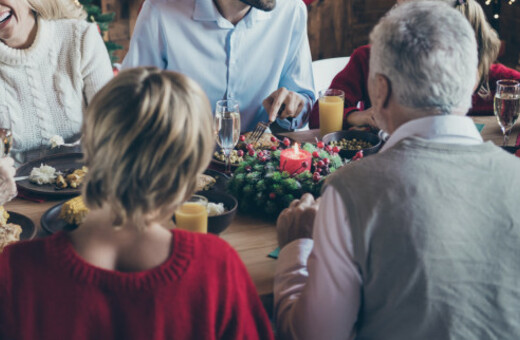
(297, 221)
(292, 101)
(362, 118)
(7, 184)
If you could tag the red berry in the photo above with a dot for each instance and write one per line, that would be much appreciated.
(242, 138)
(318, 170)
(248, 168)
(328, 148)
(335, 149)
(320, 145)
(326, 161)
(260, 154)
(273, 148)
(250, 147)
(320, 164)
(305, 164)
(315, 154)
(316, 177)
(240, 153)
(358, 155)
(251, 152)
(272, 196)
(286, 141)
(273, 139)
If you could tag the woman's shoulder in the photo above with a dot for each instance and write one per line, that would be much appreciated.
(74, 26)
(207, 247)
(499, 71)
(20, 254)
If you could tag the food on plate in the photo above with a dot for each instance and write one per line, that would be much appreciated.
(205, 182)
(56, 141)
(215, 209)
(234, 158)
(71, 179)
(9, 232)
(74, 211)
(45, 174)
(351, 144)
(265, 142)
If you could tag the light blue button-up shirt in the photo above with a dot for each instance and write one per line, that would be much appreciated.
(246, 62)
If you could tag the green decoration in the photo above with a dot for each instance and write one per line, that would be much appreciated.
(262, 189)
(103, 21)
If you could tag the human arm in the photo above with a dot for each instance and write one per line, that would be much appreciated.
(96, 68)
(7, 183)
(147, 45)
(353, 81)
(317, 296)
(295, 88)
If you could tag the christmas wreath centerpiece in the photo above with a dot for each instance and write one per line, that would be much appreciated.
(266, 183)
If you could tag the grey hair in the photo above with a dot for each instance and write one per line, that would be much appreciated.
(428, 52)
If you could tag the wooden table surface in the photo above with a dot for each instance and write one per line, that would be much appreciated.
(253, 238)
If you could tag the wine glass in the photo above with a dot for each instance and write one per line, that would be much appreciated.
(227, 127)
(6, 141)
(507, 105)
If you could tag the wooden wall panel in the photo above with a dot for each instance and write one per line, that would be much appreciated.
(336, 27)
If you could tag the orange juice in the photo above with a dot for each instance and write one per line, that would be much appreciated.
(193, 217)
(331, 114)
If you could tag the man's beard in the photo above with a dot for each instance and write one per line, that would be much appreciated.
(264, 5)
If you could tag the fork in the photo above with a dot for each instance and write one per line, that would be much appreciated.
(260, 129)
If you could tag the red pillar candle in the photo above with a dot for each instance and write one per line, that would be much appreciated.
(295, 160)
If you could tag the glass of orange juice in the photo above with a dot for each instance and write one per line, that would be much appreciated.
(192, 215)
(331, 103)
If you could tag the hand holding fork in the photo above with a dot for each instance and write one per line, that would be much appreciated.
(281, 103)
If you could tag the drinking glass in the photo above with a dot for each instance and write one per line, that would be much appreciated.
(227, 127)
(331, 103)
(507, 105)
(192, 215)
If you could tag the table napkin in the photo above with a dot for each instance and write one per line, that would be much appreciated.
(479, 127)
(274, 253)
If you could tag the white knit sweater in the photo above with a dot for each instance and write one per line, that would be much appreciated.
(45, 88)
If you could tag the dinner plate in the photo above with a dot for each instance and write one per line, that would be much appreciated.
(220, 178)
(28, 227)
(51, 221)
(61, 162)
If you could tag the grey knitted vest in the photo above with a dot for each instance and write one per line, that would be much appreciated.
(436, 234)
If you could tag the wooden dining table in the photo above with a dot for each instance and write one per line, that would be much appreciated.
(251, 237)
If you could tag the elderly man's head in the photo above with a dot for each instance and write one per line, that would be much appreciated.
(423, 62)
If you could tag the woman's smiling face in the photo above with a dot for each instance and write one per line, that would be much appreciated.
(16, 23)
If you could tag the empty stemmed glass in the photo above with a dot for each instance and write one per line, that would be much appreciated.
(507, 105)
(227, 127)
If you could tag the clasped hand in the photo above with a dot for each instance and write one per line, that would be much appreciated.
(297, 221)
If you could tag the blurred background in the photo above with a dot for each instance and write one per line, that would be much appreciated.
(336, 27)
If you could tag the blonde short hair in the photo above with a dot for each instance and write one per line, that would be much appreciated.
(147, 135)
(488, 42)
(57, 9)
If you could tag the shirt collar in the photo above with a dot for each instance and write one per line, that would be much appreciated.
(436, 127)
(206, 10)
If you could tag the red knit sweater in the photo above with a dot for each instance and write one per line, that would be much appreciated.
(203, 291)
(354, 77)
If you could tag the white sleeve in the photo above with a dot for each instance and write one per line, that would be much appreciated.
(96, 68)
(319, 297)
(147, 46)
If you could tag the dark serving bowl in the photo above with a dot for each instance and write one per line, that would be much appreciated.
(219, 223)
(366, 136)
